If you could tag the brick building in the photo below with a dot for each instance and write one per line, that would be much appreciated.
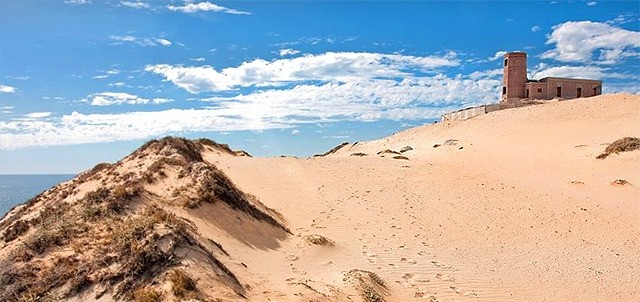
(516, 86)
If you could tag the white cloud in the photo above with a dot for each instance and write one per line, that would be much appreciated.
(140, 41)
(362, 99)
(205, 7)
(135, 5)
(592, 3)
(578, 41)
(119, 98)
(164, 42)
(197, 59)
(7, 89)
(288, 52)
(580, 72)
(77, 2)
(331, 66)
(535, 28)
(295, 131)
(37, 115)
(498, 55)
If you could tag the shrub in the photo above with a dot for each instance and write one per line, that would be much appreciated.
(358, 154)
(147, 294)
(400, 157)
(319, 240)
(182, 283)
(15, 230)
(622, 145)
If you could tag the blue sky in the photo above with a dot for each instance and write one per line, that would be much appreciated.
(87, 81)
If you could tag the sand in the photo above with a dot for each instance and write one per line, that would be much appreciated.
(518, 209)
(509, 206)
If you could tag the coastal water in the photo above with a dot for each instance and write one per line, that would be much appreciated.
(16, 189)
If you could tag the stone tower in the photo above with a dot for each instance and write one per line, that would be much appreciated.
(514, 76)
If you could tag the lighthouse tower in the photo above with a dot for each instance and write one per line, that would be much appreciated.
(514, 76)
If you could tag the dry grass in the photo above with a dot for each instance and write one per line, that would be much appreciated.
(401, 157)
(333, 150)
(620, 182)
(14, 231)
(387, 151)
(622, 145)
(405, 149)
(319, 240)
(372, 287)
(182, 284)
(358, 154)
(147, 294)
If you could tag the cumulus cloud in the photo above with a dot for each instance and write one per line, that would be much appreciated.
(77, 2)
(592, 3)
(140, 41)
(587, 41)
(497, 55)
(7, 89)
(331, 66)
(119, 98)
(37, 115)
(364, 99)
(288, 52)
(581, 72)
(205, 7)
(535, 28)
(295, 131)
(135, 5)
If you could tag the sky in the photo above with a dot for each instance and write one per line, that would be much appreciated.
(88, 81)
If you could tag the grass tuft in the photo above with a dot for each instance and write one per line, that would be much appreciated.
(622, 145)
(182, 283)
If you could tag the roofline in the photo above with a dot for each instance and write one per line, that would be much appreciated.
(570, 79)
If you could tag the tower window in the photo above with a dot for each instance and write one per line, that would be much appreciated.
(504, 90)
(539, 89)
(505, 62)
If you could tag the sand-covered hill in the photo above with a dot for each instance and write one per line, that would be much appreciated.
(509, 206)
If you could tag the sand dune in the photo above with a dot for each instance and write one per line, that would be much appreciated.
(510, 206)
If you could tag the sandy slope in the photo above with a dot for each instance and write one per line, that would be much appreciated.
(515, 208)
(518, 209)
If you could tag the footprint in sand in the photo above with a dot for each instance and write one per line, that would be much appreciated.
(463, 292)
(445, 277)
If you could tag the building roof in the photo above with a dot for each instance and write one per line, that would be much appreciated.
(545, 79)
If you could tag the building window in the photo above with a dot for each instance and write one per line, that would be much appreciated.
(579, 92)
(505, 62)
(539, 89)
(559, 91)
(504, 90)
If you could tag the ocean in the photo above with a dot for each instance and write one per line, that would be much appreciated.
(17, 189)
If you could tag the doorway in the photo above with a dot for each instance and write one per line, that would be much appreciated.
(559, 91)
(579, 92)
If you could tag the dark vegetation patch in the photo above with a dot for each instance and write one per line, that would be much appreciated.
(387, 151)
(319, 240)
(405, 149)
(620, 182)
(626, 144)
(333, 150)
(182, 285)
(358, 154)
(372, 288)
(401, 157)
